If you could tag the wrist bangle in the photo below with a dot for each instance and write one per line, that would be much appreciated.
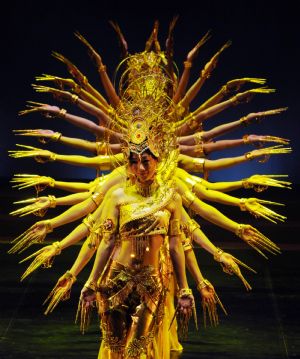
(74, 99)
(242, 204)
(52, 200)
(52, 157)
(246, 139)
(48, 225)
(57, 247)
(202, 284)
(239, 231)
(102, 68)
(91, 285)
(187, 64)
(218, 254)
(62, 112)
(184, 292)
(56, 137)
(246, 184)
(71, 276)
(249, 156)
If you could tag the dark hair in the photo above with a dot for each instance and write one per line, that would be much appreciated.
(147, 151)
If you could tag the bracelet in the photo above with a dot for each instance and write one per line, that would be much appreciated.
(246, 184)
(97, 198)
(217, 255)
(246, 139)
(51, 182)
(242, 204)
(69, 275)
(48, 225)
(102, 68)
(57, 247)
(188, 198)
(244, 121)
(204, 283)
(192, 123)
(239, 231)
(198, 138)
(56, 137)
(62, 112)
(199, 150)
(184, 292)
(52, 200)
(92, 285)
(74, 99)
(52, 157)
(187, 64)
(249, 156)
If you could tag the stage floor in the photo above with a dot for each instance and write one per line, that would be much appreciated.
(263, 323)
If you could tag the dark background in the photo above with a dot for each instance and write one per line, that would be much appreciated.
(265, 36)
(265, 40)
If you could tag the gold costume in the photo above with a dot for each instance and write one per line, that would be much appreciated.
(137, 220)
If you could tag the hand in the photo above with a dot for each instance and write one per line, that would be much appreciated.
(38, 207)
(210, 300)
(256, 240)
(44, 136)
(264, 139)
(236, 84)
(267, 151)
(85, 306)
(230, 266)
(60, 292)
(92, 52)
(40, 155)
(261, 182)
(60, 82)
(247, 95)
(193, 53)
(26, 180)
(185, 309)
(47, 110)
(210, 66)
(256, 116)
(43, 257)
(255, 207)
(35, 234)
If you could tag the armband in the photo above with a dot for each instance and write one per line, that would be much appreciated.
(74, 99)
(174, 228)
(188, 198)
(192, 123)
(198, 164)
(198, 138)
(89, 222)
(97, 198)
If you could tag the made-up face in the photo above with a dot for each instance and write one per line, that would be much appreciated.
(143, 167)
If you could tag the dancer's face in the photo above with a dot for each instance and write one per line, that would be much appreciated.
(143, 167)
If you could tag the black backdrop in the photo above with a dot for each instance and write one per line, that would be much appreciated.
(265, 39)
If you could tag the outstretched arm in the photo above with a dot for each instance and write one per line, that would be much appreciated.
(198, 164)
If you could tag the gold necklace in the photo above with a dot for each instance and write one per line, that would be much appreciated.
(148, 190)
